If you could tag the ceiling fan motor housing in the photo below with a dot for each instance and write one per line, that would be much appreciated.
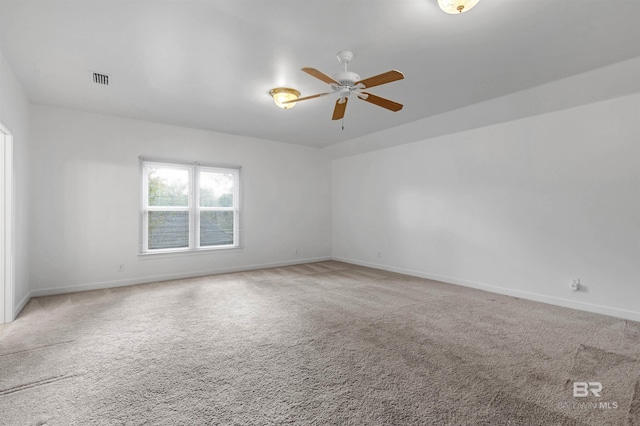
(346, 78)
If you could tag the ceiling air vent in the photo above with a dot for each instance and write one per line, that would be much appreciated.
(100, 78)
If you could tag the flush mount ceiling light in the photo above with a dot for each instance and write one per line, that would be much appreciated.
(284, 94)
(456, 6)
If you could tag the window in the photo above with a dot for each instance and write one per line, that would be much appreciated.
(189, 207)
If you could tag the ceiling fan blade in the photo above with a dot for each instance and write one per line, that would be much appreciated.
(319, 75)
(307, 97)
(383, 78)
(338, 111)
(377, 100)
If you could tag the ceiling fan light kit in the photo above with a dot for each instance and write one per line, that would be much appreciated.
(455, 7)
(346, 83)
(284, 97)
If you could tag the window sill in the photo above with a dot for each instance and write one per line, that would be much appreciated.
(179, 253)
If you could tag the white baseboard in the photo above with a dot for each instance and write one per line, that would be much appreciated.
(165, 277)
(582, 306)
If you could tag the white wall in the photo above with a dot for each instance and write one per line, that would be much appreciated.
(518, 208)
(86, 189)
(14, 115)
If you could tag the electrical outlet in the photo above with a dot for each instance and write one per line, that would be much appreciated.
(296, 251)
(379, 254)
(121, 267)
(575, 284)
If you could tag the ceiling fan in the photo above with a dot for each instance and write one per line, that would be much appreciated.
(346, 83)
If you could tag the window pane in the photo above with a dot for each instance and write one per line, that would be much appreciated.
(216, 189)
(216, 228)
(168, 230)
(168, 186)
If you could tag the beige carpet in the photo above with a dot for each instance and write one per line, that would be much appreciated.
(317, 344)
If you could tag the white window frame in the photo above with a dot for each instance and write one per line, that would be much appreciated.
(193, 206)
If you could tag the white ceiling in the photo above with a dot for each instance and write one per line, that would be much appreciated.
(210, 64)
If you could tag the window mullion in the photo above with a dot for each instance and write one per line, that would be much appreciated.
(166, 209)
(217, 209)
